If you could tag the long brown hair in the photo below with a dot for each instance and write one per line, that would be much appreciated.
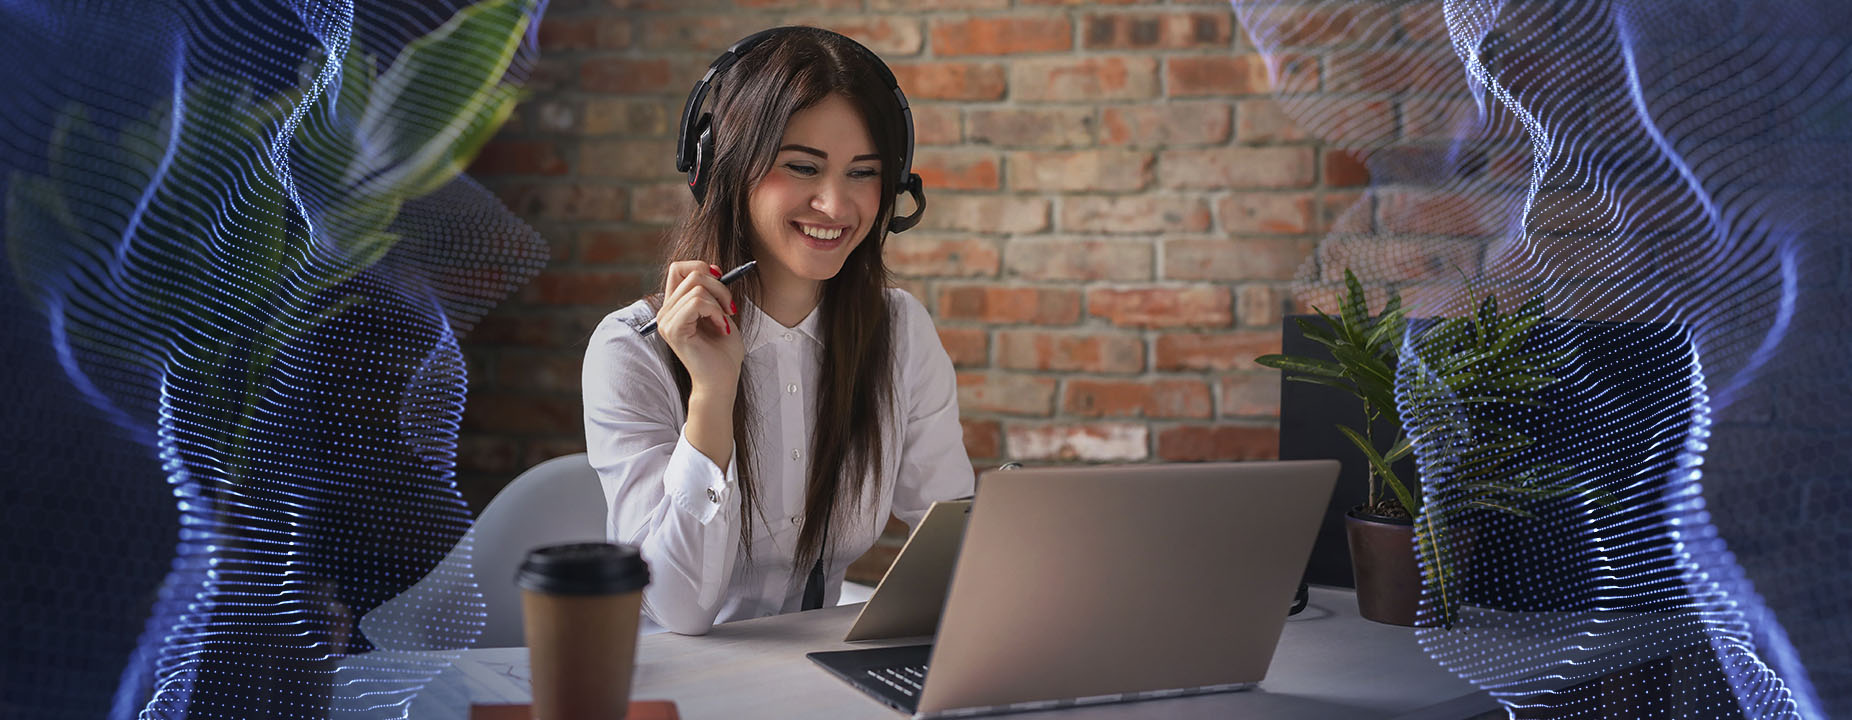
(782, 75)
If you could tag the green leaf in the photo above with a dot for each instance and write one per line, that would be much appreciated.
(1355, 307)
(447, 83)
(1383, 470)
(1295, 363)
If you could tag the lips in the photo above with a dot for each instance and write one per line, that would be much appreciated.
(811, 233)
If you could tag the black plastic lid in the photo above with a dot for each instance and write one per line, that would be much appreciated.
(583, 569)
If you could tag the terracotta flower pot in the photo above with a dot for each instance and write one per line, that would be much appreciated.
(1382, 554)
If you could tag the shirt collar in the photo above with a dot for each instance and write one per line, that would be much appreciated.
(761, 329)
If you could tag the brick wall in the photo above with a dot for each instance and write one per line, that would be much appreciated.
(1116, 208)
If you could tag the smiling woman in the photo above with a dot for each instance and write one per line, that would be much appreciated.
(759, 440)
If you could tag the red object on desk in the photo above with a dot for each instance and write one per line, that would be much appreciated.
(639, 710)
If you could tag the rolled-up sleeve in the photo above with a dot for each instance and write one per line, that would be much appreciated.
(661, 493)
(933, 463)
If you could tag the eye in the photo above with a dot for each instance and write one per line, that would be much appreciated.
(801, 169)
(864, 173)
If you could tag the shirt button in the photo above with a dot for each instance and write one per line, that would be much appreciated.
(795, 519)
(795, 454)
(712, 496)
(792, 388)
(786, 336)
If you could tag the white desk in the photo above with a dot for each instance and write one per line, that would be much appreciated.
(1330, 665)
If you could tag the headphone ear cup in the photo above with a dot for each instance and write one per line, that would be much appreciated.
(703, 157)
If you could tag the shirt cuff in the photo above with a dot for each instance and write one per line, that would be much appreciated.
(696, 485)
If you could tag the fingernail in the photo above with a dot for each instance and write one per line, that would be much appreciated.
(729, 325)
(733, 307)
(714, 270)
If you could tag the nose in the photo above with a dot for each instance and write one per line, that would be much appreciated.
(829, 197)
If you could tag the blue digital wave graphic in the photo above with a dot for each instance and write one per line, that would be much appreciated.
(240, 254)
(1649, 524)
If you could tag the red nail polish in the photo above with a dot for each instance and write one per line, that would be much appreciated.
(729, 325)
(714, 270)
(733, 307)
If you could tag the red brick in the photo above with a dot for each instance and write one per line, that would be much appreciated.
(1077, 259)
(958, 169)
(1423, 23)
(983, 439)
(887, 36)
(1349, 122)
(553, 371)
(920, 254)
(968, 347)
(1388, 260)
(1325, 24)
(1397, 70)
(596, 288)
(1215, 351)
(1250, 394)
(1345, 212)
(784, 4)
(920, 6)
(632, 246)
(1070, 351)
(1036, 127)
(1445, 119)
(551, 73)
(1068, 170)
(1230, 259)
(1138, 214)
(519, 157)
(508, 329)
(1194, 76)
(951, 81)
(987, 213)
(1263, 121)
(522, 414)
(661, 203)
(1137, 398)
(1083, 2)
(1002, 35)
(1197, 443)
(1095, 442)
(1267, 213)
(630, 75)
(559, 202)
(1343, 168)
(583, 33)
(1006, 393)
(542, 449)
(1262, 306)
(651, 159)
(1170, 124)
(1163, 306)
(1238, 167)
(488, 454)
(707, 33)
(936, 124)
(1090, 80)
(614, 116)
(998, 304)
(1438, 213)
(1166, 30)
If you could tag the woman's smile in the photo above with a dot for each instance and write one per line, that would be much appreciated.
(821, 237)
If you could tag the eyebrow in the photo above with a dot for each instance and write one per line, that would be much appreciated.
(824, 155)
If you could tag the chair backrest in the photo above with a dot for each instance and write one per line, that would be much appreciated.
(556, 501)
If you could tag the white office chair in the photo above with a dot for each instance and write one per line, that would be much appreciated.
(557, 501)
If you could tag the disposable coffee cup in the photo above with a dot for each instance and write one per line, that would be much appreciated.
(580, 605)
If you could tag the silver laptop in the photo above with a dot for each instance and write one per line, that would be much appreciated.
(1083, 585)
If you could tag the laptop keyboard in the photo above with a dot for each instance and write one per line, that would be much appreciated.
(906, 679)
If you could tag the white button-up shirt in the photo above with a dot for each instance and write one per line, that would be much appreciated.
(672, 501)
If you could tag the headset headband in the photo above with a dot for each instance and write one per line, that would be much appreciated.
(694, 140)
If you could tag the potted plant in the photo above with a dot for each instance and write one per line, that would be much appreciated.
(1462, 366)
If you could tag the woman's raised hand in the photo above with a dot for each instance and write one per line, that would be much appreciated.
(696, 321)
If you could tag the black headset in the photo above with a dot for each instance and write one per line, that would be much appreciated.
(694, 144)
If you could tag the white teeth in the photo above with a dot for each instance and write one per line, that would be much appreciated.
(820, 233)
